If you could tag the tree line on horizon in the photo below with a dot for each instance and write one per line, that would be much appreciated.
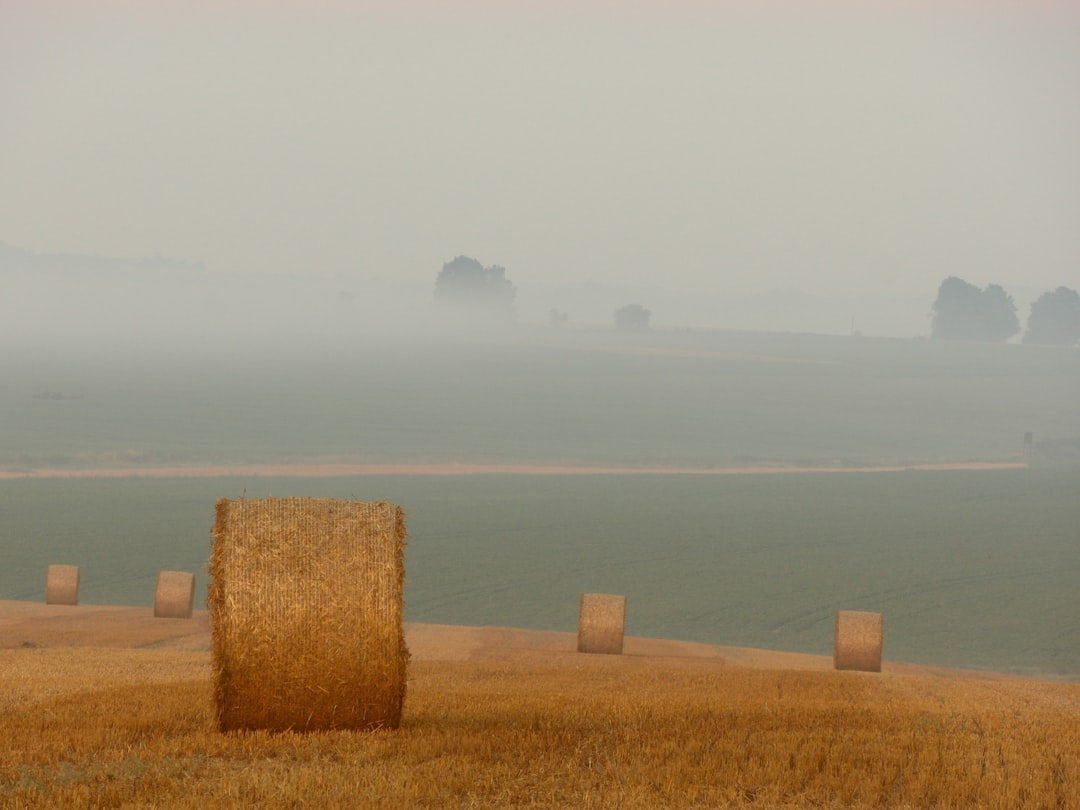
(466, 288)
(962, 311)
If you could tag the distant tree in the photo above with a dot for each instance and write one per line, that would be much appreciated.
(1054, 318)
(466, 285)
(964, 312)
(954, 309)
(997, 315)
(632, 318)
(557, 317)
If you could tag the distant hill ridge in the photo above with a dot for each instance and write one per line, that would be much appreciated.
(17, 258)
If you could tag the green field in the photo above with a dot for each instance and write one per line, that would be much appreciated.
(974, 569)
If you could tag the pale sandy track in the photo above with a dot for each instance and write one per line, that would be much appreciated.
(27, 627)
(341, 470)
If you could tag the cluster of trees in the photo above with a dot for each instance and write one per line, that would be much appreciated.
(1055, 318)
(466, 287)
(962, 311)
(632, 318)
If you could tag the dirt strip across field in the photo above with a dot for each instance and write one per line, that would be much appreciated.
(344, 470)
(26, 626)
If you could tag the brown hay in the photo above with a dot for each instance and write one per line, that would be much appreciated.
(857, 640)
(305, 602)
(174, 595)
(601, 622)
(62, 585)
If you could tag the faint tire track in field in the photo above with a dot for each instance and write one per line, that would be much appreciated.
(806, 619)
(526, 582)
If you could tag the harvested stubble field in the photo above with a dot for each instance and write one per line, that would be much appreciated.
(513, 719)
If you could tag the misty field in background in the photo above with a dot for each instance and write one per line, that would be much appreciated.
(550, 395)
(974, 569)
(559, 396)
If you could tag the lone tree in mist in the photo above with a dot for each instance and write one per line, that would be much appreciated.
(964, 312)
(1054, 318)
(467, 287)
(632, 318)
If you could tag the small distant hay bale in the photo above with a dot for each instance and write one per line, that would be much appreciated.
(857, 640)
(62, 585)
(174, 595)
(601, 623)
(305, 603)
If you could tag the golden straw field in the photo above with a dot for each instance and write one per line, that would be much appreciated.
(507, 719)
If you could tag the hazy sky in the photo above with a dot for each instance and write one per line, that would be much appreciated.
(877, 146)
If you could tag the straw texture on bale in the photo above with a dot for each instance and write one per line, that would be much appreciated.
(857, 640)
(601, 622)
(62, 585)
(174, 596)
(305, 601)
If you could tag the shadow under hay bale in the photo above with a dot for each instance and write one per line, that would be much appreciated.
(174, 595)
(305, 603)
(857, 640)
(62, 585)
(601, 623)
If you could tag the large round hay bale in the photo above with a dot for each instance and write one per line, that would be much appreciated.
(174, 595)
(857, 640)
(305, 602)
(601, 623)
(62, 585)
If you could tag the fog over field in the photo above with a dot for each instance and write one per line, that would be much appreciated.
(225, 230)
(971, 568)
(735, 165)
